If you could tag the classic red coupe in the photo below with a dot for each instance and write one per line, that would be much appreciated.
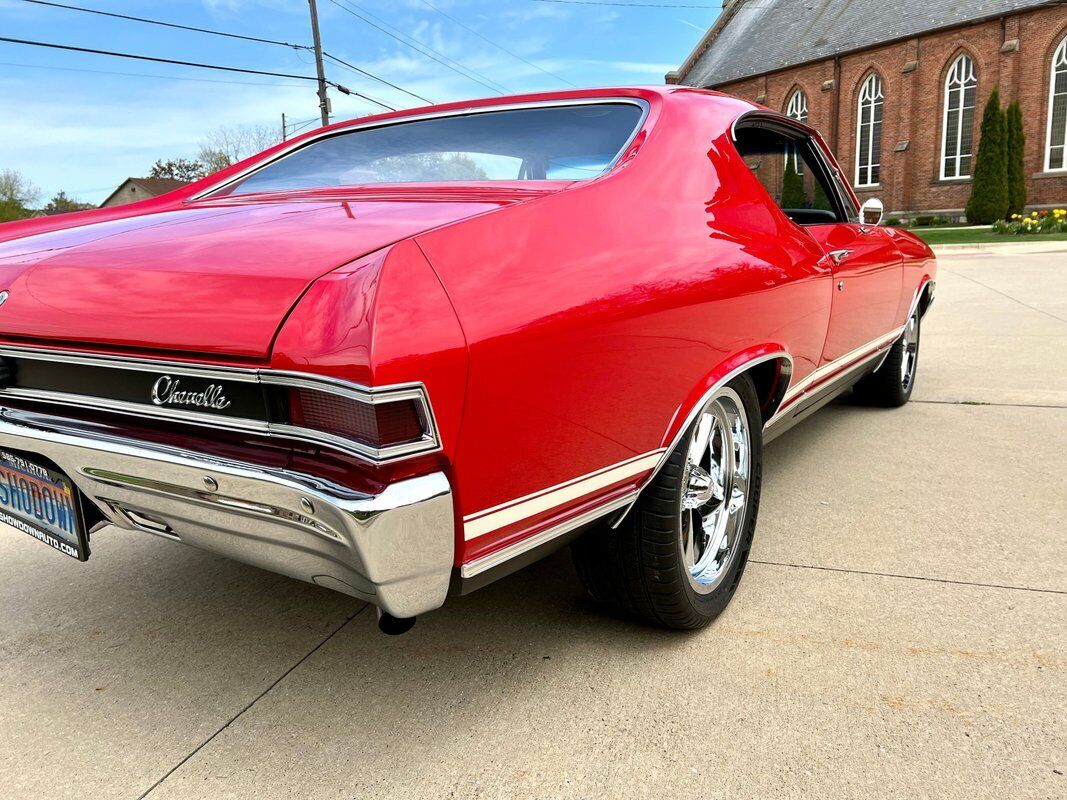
(406, 355)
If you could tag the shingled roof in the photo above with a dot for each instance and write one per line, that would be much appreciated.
(753, 37)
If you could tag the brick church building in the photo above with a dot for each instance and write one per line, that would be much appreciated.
(897, 88)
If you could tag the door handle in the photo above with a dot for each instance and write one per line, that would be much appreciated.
(839, 255)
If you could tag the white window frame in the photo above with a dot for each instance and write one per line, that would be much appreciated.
(959, 79)
(871, 94)
(1059, 64)
(796, 108)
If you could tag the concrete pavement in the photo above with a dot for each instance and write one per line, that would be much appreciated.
(901, 630)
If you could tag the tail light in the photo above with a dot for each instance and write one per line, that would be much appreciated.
(379, 425)
(384, 425)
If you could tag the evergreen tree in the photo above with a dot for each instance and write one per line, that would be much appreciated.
(179, 169)
(793, 195)
(61, 204)
(989, 186)
(1016, 169)
(820, 200)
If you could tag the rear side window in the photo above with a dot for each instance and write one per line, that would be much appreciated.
(791, 172)
(573, 142)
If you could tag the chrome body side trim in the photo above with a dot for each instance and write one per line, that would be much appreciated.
(371, 395)
(828, 381)
(818, 396)
(491, 519)
(458, 112)
(394, 549)
(494, 559)
(828, 369)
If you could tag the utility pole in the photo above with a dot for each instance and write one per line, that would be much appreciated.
(324, 101)
(285, 131)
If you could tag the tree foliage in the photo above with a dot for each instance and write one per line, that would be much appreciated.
(989, 186)
(179, 169)
(17, 196)
(1016, 143)
(61, 204)
(793, 194)
(428, 167)
(225, 146)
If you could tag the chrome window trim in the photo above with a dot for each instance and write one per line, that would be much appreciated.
(641, 103)
(371, 395)
(838, 188)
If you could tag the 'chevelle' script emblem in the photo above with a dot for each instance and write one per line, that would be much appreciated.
(167, 391)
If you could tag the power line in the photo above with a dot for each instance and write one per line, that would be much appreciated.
(422, 48)
(136, 57)
(494, 44)
(177, 62)
(143, 75)
(443, 60)
(212, 32)
(627, 5)
(372, 76)
(167, 24)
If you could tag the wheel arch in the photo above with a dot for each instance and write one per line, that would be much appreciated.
(770, 368)
(925, 296)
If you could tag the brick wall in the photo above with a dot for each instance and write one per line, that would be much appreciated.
(1014, 53)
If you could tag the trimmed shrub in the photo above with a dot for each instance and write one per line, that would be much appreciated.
(1016, 143)
(989, 187)
(820, 200)
(793, 195)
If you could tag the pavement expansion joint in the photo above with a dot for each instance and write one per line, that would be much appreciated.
(909, 577)
(337, 629)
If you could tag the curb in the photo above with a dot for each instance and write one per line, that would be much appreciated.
(1000, 247)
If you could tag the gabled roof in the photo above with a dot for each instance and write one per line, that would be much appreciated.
(754, 37)
(150, 187)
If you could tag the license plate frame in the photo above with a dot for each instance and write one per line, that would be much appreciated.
(41, 492)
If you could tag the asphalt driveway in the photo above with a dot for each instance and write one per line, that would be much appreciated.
(901, 630)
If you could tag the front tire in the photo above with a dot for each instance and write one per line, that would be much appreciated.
(891, 385)
(677, 558)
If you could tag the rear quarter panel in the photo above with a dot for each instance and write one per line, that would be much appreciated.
(920, 266)
(596, 318)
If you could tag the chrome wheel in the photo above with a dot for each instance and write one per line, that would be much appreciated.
(715, 486)
(910, 358)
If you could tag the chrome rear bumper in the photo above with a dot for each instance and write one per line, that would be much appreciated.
(394, 549)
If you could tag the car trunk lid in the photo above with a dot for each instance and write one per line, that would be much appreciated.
(211, 278)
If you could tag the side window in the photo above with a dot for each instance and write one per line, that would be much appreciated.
(793, 175)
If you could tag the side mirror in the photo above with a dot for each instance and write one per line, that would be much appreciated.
(871, 211)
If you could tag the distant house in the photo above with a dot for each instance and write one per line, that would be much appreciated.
(133, 189)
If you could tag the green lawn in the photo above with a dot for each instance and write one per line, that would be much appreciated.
(952, 235)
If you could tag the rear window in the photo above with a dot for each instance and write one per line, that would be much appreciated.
(530, 144)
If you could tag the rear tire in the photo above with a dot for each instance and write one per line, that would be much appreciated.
(677, 558)
(891, 385)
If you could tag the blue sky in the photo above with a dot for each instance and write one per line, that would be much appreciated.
(66, 127)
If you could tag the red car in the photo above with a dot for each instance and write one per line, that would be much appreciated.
(406, 355)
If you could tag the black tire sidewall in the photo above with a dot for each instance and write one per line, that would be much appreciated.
(710, 605)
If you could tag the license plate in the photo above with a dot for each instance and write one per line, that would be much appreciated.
(43, 503)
